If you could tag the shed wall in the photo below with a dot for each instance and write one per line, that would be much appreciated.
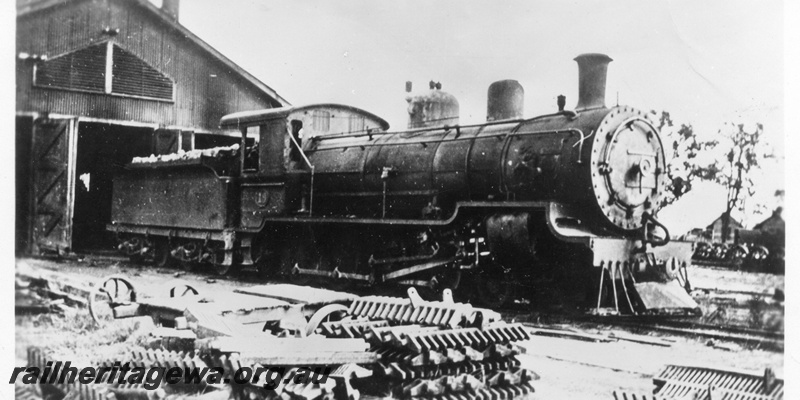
(205, 88)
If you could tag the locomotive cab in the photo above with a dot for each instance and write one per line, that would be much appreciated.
(280, 179)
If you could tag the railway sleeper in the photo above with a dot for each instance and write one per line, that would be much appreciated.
(400, 372)
(466, 383)
(419, 339)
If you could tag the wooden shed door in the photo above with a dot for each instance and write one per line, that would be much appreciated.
(52, 173)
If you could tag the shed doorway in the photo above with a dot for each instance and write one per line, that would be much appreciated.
(103, 150)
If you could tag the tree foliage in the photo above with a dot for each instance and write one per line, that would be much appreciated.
(738, 152)
(682, 149)
(728, 160)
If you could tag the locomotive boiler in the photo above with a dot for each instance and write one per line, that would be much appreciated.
(557, 206)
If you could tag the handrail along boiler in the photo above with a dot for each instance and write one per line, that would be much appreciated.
(512, 207)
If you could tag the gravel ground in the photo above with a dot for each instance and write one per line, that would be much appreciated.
(721, 278)
(568, 368)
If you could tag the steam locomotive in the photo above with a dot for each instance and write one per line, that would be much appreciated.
(507, 209)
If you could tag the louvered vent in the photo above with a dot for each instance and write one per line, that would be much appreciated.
(82, 70)
(134, 77)
(85, 70)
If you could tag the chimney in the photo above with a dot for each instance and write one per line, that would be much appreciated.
(171, 8)
(506, 100)
(592, 70)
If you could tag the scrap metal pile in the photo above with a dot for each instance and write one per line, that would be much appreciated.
(704, 383)
(222, 151)
(370, 346)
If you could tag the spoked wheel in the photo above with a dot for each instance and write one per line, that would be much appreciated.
(738, 253)
(188, 266)
(180, 289)
(135, 257)
(330, 312)
(302, 253)
(107, 294)
(161, 255)
(217, 260)
(445, 278)
(759, 253)
(346, 258)
(266, 258)
(221, 269)
(495, 287)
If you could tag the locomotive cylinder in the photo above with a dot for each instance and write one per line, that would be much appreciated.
(506, 100)
(592, 71)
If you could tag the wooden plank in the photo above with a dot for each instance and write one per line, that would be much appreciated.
(569, 334)
(310, 359)
(266, 344)
(242, 308)
(639, 339)
(298, 294)
(208, 324)
(173, 333)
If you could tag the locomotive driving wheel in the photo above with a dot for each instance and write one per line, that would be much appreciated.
(445, 278)
(265, 252)
(346, 257)
(301, 253)
(495, 286)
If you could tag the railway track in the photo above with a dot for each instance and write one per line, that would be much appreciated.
(762, 338)
(767, 339)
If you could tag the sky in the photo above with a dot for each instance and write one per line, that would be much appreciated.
(706, 62)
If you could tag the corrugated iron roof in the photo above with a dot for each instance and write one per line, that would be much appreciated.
(29, 7)
(233, 120)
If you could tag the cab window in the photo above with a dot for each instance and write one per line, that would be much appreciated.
(251, 152)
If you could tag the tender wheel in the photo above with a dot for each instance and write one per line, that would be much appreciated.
(495, 287)
(107, 294)
(221, 269)
(188, 266)
(216, 260)
(135, 244)
(161, 255)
